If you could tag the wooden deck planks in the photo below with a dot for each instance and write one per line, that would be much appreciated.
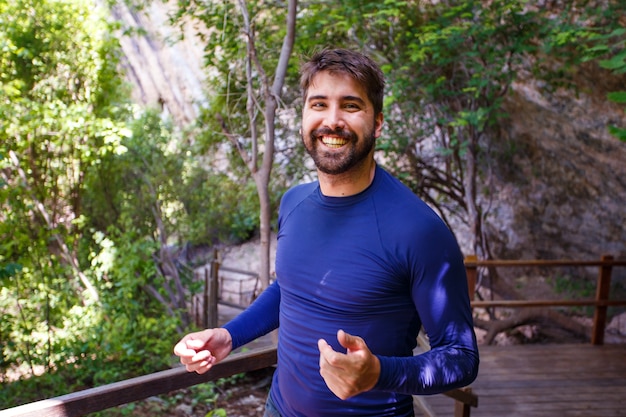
(547, 381)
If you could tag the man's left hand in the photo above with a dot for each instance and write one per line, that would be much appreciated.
(351, 373)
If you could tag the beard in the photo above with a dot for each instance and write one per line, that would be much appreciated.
(339, 161)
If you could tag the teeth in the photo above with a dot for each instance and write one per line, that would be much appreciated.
(333, 142)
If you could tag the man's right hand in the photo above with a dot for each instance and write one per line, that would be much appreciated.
(199, 351)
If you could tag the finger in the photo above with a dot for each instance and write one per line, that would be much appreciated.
(199, 367)
(181, 349)
(191, 356)
(200, 363)
(327, 354)
(324, 348)
(203, 355)
(331, 360)
(349, 341)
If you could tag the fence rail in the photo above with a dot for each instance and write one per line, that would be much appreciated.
(601, 302)
(135, 389)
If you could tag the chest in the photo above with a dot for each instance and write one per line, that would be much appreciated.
(337, 260)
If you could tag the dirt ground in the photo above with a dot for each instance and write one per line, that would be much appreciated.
(244, 398)
(247, 397)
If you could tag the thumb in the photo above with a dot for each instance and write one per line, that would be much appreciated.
(349, 341)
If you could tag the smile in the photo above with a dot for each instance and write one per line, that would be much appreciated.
(333, 141)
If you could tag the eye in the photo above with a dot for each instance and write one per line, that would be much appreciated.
(352, 107)
(317, 105)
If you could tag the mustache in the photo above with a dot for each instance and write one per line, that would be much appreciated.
(326, 131)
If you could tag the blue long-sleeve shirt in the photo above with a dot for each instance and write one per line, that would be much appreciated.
(378, 265)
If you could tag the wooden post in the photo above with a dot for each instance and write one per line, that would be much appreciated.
(210, 306)
(205, 298)
(462, 408)
(472, 273)
(603, 287)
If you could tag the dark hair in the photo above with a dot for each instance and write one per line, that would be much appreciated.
(354, 64)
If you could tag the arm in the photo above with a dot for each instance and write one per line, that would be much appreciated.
(441, 298)
(258, 319)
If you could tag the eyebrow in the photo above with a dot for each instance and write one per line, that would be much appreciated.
(344, 98)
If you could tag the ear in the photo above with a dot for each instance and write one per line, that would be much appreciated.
(378, 124)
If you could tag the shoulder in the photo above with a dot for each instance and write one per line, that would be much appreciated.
(393, 196)
(295, 195)
(406, 217)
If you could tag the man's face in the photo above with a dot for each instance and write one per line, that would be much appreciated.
(339, 128)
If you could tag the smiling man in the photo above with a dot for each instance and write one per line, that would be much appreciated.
(361, 265)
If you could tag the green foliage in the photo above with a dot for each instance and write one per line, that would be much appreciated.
(597, 35)
(575, 287)
(225, 209)
(613, 45)
(230, 116)
(218, 412)
(88, 189)
(63, 117)
(60, 109)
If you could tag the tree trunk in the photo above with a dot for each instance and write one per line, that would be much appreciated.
(262, 176)
(265, 230)
(526, 316)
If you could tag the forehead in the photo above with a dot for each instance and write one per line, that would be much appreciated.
(335, 86)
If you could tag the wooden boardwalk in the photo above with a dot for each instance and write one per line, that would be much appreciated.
(553, 380)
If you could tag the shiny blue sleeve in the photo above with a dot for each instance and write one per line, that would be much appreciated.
(440, 295)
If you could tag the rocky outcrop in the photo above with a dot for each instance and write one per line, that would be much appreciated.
(165, 72)
(561, 189)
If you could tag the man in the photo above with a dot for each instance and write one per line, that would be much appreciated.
(361, 265)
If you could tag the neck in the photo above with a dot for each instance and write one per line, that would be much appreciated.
(348, 183)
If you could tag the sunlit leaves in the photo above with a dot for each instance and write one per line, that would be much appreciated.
(62, 108)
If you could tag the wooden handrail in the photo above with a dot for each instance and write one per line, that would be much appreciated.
(547, 303)
(135, 389)
(472, 261)
(601, 301)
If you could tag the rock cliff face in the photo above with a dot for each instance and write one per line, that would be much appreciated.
(562, 190)
(559, 184)
(165, 72)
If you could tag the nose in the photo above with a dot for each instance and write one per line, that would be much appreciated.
(333, 118)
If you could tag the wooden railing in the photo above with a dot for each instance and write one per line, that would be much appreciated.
(601, 301)
(136, 389)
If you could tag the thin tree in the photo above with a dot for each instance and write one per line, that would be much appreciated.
(270, 90)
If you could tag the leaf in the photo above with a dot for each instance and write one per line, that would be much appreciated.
(218, 412)
(618, 62)
(617, 96)
(9, 269)
(618, 133)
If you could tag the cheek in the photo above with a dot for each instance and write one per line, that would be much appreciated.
(308, 124)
